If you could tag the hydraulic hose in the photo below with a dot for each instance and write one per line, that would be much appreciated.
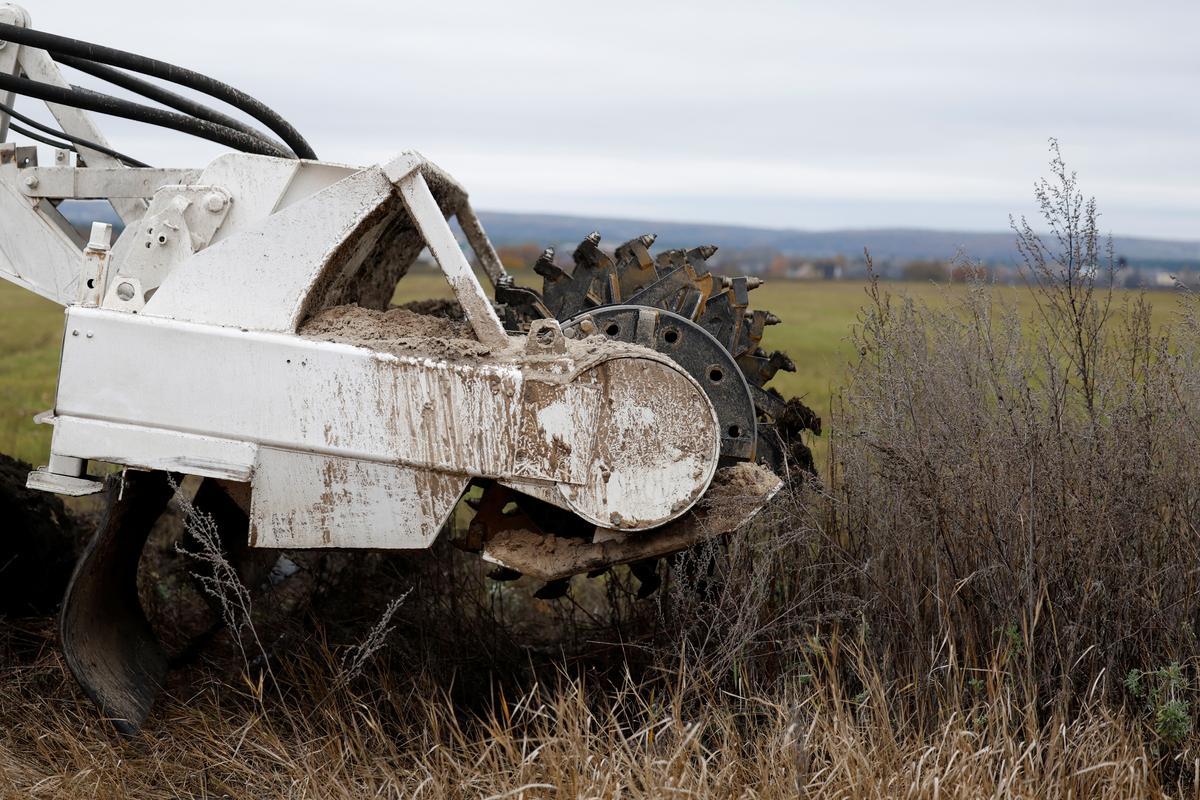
(117, 107)
(159, 94)
(75, 140)
(160, 69)
(37, 137)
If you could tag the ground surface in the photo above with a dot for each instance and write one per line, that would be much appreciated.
(789, 674)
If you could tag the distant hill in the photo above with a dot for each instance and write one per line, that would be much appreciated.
(885, 244)
(896, 245)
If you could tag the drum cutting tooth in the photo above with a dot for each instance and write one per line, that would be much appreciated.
(504, 574)
(595, 272)
(759, 368)
(771, 319)
(684, 285)
(668, 260)
(646, 571)
(635, 266)
(553, 590)
(696, 258)
(724, 313)
(592, 283)
(546, 267)
(680, 291)
(520, 305)
(750, 333)
(780, 360)
(741, 291)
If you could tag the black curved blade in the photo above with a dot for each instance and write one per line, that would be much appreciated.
(108, 643)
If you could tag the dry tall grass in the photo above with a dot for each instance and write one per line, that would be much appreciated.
(398, 735)
(991, 592)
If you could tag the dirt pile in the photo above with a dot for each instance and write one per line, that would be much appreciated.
(734, 494)
(398, 331)
(38, 544)
(447, 309)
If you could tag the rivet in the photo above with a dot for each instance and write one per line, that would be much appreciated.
(90, 334)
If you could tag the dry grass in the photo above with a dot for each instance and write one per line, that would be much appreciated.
(396, 735)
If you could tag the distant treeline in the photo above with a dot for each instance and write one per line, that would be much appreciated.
(770, 263)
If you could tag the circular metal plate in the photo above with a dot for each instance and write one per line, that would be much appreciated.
(692, 348)
(657, 446)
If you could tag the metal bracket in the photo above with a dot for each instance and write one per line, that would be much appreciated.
(95, 265)
(43, 480)
(180, 222)
(103, 183)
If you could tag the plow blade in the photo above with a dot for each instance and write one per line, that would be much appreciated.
(108, 643)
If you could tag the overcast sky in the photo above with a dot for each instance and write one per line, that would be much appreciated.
(778, 114)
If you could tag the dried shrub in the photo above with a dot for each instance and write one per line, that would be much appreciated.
(1024, 489)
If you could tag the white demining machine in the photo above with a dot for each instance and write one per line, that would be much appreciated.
(237, 330)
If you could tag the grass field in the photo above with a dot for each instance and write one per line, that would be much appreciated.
(818, 319)
(30, 341)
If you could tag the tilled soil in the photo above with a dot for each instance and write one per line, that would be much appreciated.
(39, 541)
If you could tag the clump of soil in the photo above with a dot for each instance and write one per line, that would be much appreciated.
(38, 544)
(735, 492)
(447, 309)
(398, 331)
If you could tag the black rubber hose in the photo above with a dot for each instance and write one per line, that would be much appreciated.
(37, 137)
(163, 70)
(116, 107)
(76, 140)
(159, 94)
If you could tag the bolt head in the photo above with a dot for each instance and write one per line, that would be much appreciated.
(215, 202)
(125, 292)
(31, 182)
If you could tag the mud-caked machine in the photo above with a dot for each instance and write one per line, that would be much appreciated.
(238, 329)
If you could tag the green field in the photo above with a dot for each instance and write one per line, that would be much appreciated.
(30, 340)
(818, 319)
